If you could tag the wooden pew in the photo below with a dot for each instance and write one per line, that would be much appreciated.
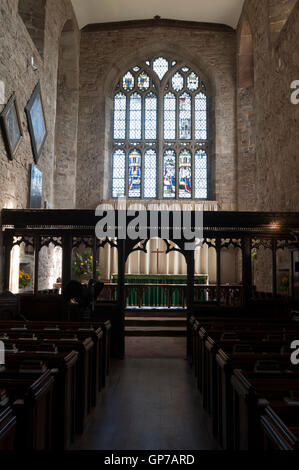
(30, 393)
(223, 392)
(7, 423)
(252, 392)
(104, 349)
(280, 426)
(62, 366)
(66, 343)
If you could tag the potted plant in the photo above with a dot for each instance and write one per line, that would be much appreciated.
(24, 280)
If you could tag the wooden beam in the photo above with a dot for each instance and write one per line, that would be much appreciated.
(157, 22)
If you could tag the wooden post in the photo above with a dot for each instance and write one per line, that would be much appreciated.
(67, 247)
(94, 254)
(190, 281)
(274, 268)
(218, 254)
(121, 246)
(8, 242)
(292, 278)
(36, 262)
(246, 270)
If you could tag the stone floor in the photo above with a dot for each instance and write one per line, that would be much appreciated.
(150, 404)
(159, 347)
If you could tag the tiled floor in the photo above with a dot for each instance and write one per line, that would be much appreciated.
(150, 404)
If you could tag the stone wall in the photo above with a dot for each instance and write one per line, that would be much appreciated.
(275, 118)
(106, 55)
(16, 49)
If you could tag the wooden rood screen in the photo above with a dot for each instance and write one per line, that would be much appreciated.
(246, 232)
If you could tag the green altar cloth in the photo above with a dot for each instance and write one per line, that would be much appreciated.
(155, 295)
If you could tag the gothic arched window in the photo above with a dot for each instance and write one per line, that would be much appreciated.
(160, 133)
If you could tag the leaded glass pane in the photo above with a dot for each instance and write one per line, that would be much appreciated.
(185, 116)
(169, 116)
(192, 81)
(136, 68)
(118, 173)
(201, 175)
(177, 82)
(128, 82)
(201, 116)
(160, 66)
(151, 116)
(185, 69)
(120, 106)
(185, 174)
(150, 174)
(134, 185)
(135, 116)
(169, 176)
(143, 81)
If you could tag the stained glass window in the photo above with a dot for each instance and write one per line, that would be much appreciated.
(128, 82)
(160, 122)
(200, 175)
(201, 116)
(193, 81)
(143, 81)
(119, 172)
(151, 107)
(134, 186)
(185, 124)
(185, 174)
(120, 106)
(169, 174)
(150, 174)
(169, 116)
(177, 82)
(160, 66)
(135, 116)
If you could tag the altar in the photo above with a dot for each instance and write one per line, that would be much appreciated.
(158, 290)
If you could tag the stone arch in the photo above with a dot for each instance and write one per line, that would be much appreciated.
(121, 65)
(279, 12)
(66, 119)
(33, 14)
(246, 119)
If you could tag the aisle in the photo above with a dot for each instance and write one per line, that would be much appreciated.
(150, 404)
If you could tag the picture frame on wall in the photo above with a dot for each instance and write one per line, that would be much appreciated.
(36, 122)
(36, 188)
(11, 127)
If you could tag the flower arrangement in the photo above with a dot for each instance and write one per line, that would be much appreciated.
(83, 264)
(24, 279)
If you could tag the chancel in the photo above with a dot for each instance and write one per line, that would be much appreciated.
(162, 339)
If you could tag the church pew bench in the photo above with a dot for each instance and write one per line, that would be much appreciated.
(280, 427)
(104, 350)
(209, 344)
(66, 343)
(222, 392)
(7, 423)
(62, 366)
(252, 392)
(97, 358)
(30, 394)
